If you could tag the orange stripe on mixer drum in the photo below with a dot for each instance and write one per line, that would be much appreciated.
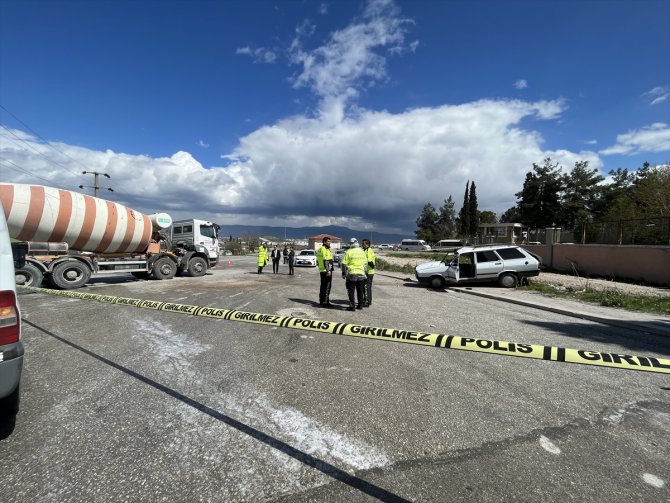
(112, 220)
(7, 197)
(34, 216)
(130, 231)
(64, 215)
(147, 231)
(89, 223)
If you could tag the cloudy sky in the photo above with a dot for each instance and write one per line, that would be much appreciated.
(354, 113)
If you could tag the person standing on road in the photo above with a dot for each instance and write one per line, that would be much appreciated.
(369, 272)
(275, 255)
(324, 259)
(285, 254)
(291, 261)
(355, 262)
(262, 257)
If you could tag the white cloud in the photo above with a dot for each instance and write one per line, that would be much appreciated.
(521, 84)
(377, 169)
(345, 165)
(203, 144)
(349, 59)
(654, 138)
(259, 54)
(657, 95)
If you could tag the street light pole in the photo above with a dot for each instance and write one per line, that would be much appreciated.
(96, 184)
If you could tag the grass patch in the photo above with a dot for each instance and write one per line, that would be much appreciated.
(609, 298)
(383, 265)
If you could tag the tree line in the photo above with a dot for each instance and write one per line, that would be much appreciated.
(551, 198)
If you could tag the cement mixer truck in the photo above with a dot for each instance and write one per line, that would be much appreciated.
(64, 237)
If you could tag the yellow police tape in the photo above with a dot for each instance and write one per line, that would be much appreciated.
(556, 354)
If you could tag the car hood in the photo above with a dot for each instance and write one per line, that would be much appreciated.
(431, 267)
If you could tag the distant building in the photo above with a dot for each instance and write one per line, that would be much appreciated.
(500, 233)
(315, 242)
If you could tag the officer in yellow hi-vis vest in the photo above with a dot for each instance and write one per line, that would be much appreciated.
(370, 272)
(355, 262)
(262, 257)
(324, 259)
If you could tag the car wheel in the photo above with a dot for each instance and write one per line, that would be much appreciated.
(437, 282)
(164, 268)
(508, 280)
(70, 274)
(197, 267)
(29, 275)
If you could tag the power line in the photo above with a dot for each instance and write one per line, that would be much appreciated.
(33, 148)
(96, 185)
(41, 137)
(19, 168)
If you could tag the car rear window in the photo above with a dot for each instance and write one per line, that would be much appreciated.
(510, 253)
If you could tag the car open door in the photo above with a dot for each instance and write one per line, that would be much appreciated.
(452, 273)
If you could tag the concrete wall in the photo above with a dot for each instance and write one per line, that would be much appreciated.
(649, 264)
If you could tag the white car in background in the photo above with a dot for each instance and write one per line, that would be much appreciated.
(306, 258)
(11, 347)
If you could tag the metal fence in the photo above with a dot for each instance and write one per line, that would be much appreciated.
(641, 231)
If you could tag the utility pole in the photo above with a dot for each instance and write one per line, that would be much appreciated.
(96, 185)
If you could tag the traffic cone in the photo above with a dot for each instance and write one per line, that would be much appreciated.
(230, 264)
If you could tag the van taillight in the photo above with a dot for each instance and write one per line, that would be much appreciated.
(9, 318)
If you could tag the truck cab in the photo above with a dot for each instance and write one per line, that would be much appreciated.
(197, 232)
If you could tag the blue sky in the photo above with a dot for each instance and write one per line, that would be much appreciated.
(308, 113)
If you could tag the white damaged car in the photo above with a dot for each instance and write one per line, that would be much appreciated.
(509, 265)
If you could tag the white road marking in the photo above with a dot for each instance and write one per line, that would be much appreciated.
(235, 295)
(549, 446)
(653, 480)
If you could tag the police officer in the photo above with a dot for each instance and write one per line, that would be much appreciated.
(324, 259)
(369, 272)
(262, 257)
(355, 261)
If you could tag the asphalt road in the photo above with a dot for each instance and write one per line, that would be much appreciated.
(127, 404)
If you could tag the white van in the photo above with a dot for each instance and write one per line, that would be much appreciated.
(448, 244)
(414, 245)
(11, 345)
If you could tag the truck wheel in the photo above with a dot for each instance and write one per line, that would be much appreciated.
(508, 280)
(70, 274)
(29, 275)
(197, 266)
(164, 268)
(437, 282)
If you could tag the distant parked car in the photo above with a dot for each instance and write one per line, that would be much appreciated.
(11, 347)
(385, 247)
(508, 265)
(337, 256)
(306, 258)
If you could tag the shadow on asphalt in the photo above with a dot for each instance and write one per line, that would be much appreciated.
(305, 458)
(638, 343)
(7, 424)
